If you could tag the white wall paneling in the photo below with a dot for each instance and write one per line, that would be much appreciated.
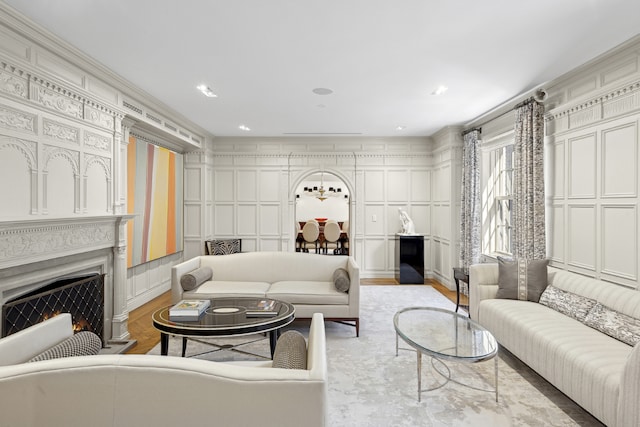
(247, 187)
(193, 184)
(398, 186)
(582, 166)
(374, 189)
(375, 256)
(620, 160)
(224, 185)
(619, 247)
(269, 219)
(594, 158)
(378, 180)
(582, 236)
(556, 228)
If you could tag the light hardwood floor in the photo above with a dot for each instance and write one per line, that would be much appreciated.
(147, 336)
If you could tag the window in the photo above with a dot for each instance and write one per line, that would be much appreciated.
(498, 200)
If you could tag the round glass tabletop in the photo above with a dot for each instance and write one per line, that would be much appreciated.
(444, 334)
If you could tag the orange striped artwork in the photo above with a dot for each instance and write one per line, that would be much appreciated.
(154, 195)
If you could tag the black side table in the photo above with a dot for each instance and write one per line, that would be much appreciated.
(460, 274)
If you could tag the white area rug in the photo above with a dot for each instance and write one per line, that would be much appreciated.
(369, 386)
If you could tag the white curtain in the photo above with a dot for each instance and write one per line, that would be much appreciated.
(470, 207)
(528, 183)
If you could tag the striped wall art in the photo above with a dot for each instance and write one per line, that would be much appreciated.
(154, 195)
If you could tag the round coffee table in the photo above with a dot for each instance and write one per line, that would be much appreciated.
(225, 317)
(445, 335)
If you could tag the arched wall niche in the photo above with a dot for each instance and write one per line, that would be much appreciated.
(347, 180)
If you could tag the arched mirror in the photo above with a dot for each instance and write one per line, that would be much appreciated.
(323, 197)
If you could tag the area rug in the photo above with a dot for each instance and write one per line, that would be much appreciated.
(369, 386)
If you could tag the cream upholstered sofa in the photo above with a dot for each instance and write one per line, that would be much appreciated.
(600, 373)
(144, 390)
(302, 279)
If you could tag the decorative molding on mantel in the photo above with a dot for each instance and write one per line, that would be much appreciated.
(9, 70)
(28, 241)
(601, 106)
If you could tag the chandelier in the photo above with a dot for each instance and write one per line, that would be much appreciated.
(320, 193)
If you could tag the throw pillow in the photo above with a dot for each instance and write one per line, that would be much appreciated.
(291, 351)
(195, 278)
(83, 343)
(341, 280)
(522, 279)
(615, 324)
(568, 303)
(224, 246)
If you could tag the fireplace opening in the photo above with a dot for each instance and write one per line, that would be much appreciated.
(81, 296)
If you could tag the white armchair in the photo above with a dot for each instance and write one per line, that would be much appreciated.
(49, 339)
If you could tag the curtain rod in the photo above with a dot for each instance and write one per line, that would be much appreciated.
(510, 111)
(479, 129)
(525, 102)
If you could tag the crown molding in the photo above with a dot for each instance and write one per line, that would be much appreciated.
(41, 37)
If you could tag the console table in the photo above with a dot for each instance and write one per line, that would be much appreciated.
(460, 274)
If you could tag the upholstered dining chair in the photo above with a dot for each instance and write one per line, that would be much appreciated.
(310, 234)
(331, 237)
(345, 241)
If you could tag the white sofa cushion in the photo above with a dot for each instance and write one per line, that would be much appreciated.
(228, 289)
(273, 266)
(307, 292)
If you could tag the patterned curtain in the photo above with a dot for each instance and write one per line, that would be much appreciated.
(470, 207)
(528, 183)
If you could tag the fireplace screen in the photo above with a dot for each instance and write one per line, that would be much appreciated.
(83, 297)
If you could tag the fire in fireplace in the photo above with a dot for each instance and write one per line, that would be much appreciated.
(82, 296)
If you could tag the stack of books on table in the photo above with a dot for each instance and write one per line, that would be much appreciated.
(188, 310)
(264, 308)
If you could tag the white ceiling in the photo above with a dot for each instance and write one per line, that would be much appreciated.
(382, 59)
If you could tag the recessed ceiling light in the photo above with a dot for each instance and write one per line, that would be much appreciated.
(322, 91)
(244, 128)
(439, 90)
(399, 128)
(206, 91)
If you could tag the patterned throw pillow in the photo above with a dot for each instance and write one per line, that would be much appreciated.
(223, 247)
(83, 343)
(195, 278)
(522, 279)
(291, 351)
(568, 303)
(617, 325)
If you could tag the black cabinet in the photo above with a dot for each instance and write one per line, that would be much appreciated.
(409, 258)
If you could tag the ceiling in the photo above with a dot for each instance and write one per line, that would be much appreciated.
(382, 60)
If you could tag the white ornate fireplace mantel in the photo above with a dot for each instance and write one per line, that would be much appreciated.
(36, 251)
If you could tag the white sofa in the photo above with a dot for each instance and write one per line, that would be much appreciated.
(142, 390)
(304, 280)
(597, 371)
